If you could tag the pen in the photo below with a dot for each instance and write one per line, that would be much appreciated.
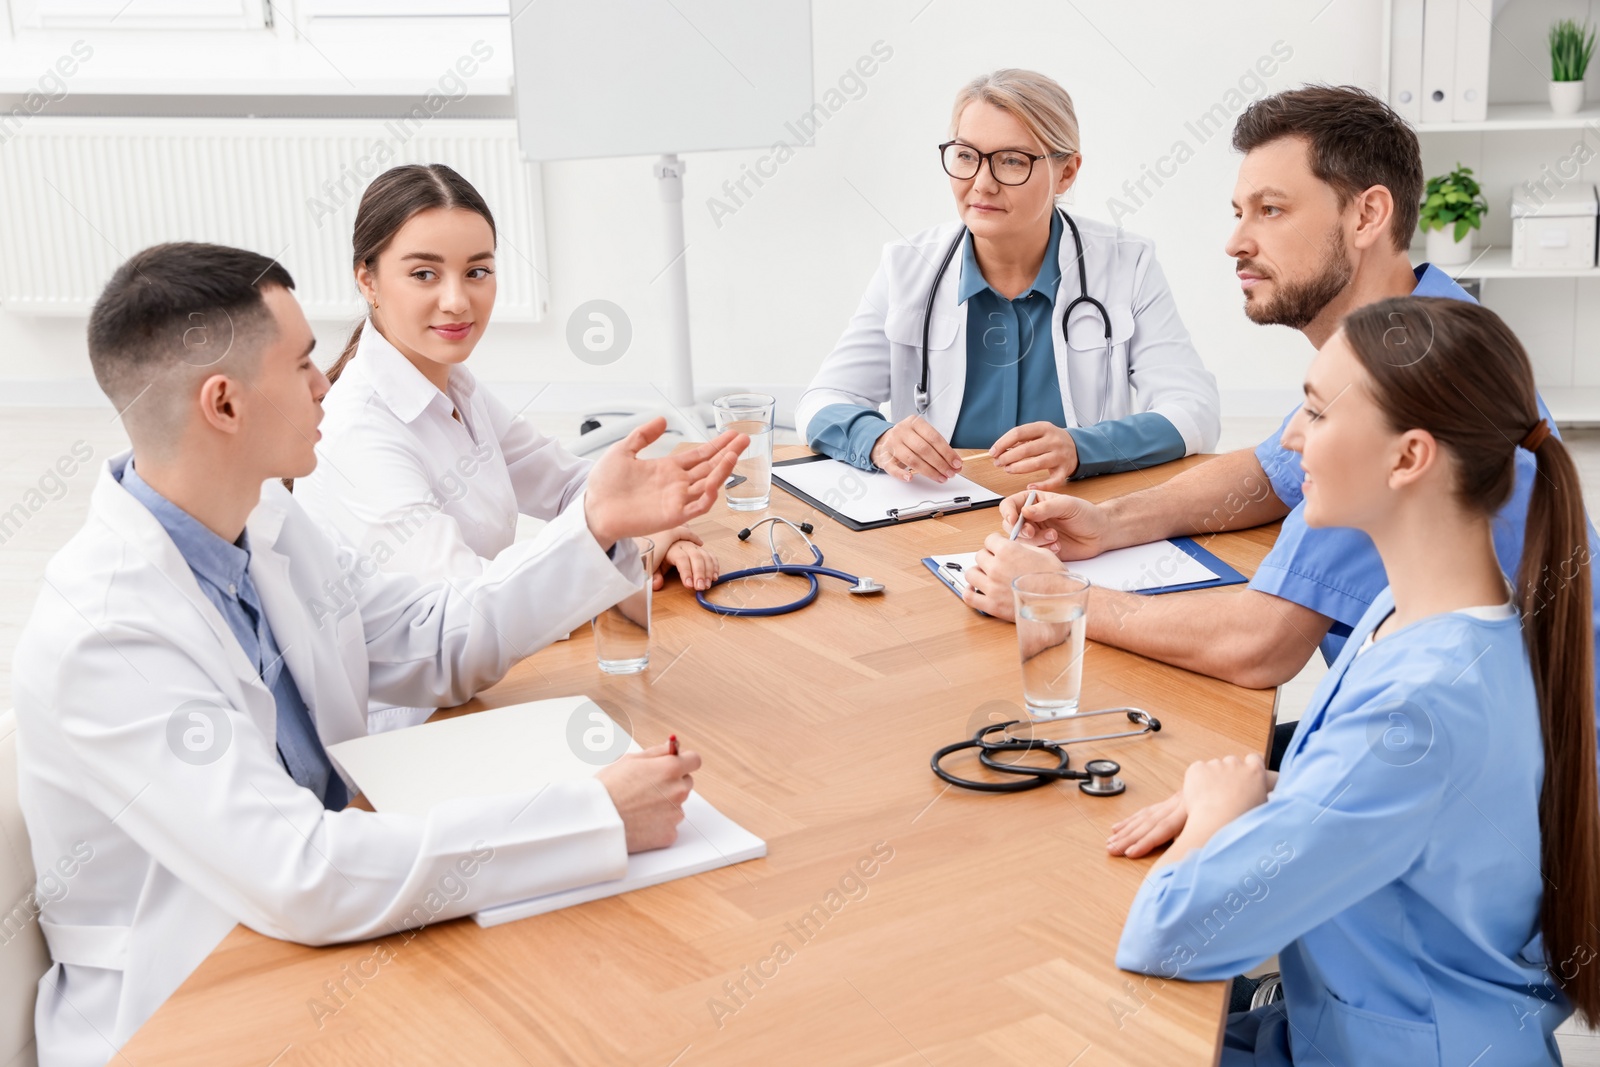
(672, 745)
(1033, 494)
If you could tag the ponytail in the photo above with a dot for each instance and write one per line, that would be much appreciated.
(350, 346)
(1456, 370)
(1553, 586)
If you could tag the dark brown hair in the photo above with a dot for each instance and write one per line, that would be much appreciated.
(1355, 141)
(1453, 368)
(388, 204)
(163, 298)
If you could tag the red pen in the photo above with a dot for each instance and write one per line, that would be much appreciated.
(672, 744)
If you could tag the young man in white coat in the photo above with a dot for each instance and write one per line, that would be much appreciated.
(183, 673)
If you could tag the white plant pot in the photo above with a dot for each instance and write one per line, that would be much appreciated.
(1444, 251)
(1566, 98)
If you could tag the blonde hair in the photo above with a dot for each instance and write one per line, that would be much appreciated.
(1038, 102)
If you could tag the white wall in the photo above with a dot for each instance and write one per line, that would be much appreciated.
(772, 285)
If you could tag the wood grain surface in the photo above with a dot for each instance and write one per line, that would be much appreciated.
(895, 920)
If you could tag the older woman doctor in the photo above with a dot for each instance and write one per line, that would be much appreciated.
(1069, 359)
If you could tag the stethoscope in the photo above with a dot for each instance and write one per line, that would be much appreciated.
(808, 571)
(1099, 777)
(1083, 297)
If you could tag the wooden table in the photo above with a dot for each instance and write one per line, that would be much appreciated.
(984, 932)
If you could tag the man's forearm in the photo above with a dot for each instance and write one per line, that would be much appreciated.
(1249, 638)
(1230, 492)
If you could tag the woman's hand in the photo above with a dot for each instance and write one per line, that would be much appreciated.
(913, 446)
(1216, 792)
(1041, 448)
(1148, 828)
(684, 552)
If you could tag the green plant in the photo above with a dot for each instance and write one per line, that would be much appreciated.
(1453, 198)
(1571, 48)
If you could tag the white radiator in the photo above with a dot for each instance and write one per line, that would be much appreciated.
(80, 195)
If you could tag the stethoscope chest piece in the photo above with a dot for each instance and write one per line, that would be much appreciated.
(1103, 780)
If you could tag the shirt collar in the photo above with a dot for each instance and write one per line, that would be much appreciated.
(222, 564)
(1046, 283)
(1431, 281)
(404, 388)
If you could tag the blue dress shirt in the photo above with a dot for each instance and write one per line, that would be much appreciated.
(1011, 380)
(222, 570)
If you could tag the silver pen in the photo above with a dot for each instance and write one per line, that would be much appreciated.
(1033, 494)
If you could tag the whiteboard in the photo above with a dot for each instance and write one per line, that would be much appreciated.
(599, 78)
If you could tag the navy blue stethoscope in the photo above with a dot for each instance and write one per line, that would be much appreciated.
(809, 571)
(1083, 297)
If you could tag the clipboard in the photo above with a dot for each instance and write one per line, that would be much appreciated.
(1225, 575)
(925, 509)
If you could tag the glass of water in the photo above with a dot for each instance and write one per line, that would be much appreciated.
(1051, 619)
(750, 488)
(622, 631)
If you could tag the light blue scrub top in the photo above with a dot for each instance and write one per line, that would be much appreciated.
(1394, 868)
(1011, 380)
(1336, 571)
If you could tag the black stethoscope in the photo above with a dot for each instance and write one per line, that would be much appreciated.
(1083, 297)
(808, 571)
(1098, 777)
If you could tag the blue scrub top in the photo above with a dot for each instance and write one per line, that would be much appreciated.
(1395, 868)
(1336, 571)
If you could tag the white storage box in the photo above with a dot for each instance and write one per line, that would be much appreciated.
(1557, 233)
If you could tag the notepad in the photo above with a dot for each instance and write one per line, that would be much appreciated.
(1158, 567)
(866, 499)
(517, 749)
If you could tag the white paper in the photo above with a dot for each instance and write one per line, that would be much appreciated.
(707, 839)
(1135, 569)
(518, 749)
(867, 496)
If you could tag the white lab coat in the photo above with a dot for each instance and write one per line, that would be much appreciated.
(121, 645)
(1153, 366)
(403, 482)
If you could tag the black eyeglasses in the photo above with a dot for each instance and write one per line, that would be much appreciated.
(1009, 166)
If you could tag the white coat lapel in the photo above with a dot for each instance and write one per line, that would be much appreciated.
(144, 535)
(269, 570)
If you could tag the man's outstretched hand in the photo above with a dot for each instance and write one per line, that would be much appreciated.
(632, 497)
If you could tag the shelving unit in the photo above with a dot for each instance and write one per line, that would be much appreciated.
(1504, 117)
(1495, 262)
(1523, 145)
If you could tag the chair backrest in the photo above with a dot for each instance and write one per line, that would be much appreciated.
(23, 955)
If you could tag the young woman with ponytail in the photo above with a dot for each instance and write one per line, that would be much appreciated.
(1427, 861)
(419, 467)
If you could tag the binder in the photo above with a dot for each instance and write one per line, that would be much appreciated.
(870, 500)
(1439, 19)
(1405, 60)
(1474, 31)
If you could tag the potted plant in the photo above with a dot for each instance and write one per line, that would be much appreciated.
(1452, 207)
(1571, 48)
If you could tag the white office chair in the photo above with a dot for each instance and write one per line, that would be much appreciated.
(23, 955)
